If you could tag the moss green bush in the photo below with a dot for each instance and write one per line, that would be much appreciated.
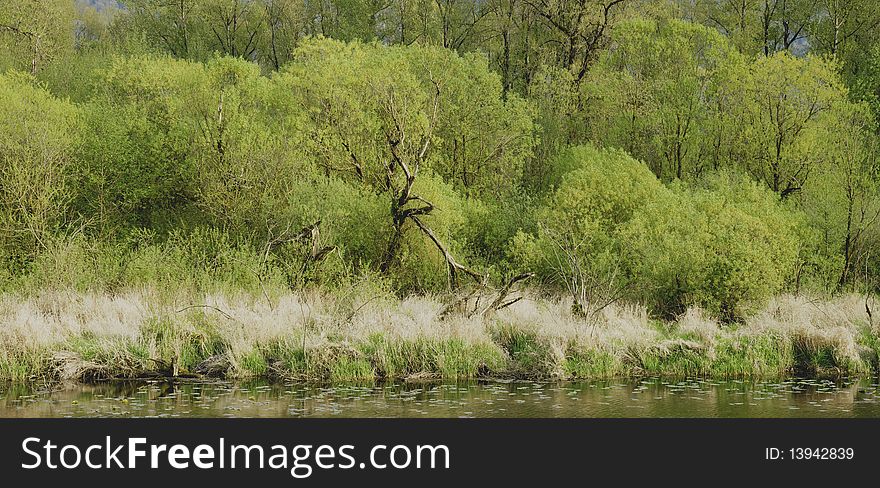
(725, 244)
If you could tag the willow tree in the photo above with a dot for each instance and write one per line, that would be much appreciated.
(136, 161)
(661, 93)
(843, 201)
(383, 118)
(760, 27)
(578, 30)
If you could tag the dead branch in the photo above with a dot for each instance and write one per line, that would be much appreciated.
(868, 310)
(408, 156)
(498, 299)
(184, 309)
(453, 266)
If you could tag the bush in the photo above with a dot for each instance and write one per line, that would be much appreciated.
(577, 246)
(492, 223)
(664, 247)
(37, 137)
(612, 230)
(725, 244)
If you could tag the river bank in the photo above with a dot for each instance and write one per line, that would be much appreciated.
(56, 336)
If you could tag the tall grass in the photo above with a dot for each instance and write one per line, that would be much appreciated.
(362, 334)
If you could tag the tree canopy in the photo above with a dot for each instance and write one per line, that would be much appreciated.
(670, 152)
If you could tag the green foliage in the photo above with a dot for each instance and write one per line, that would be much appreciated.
(476, 139)
(446, 127)
(35, 33)
(491, 224)
(482, 138)
(666, 153)
(526, 350)
(660, 92)
(617, 152)
(38, 135)
(725, 244)
(134, 162)
(605, 190)
(590, 363)
(842, 204)
(789, 104)
(757, 247)
(577, 246)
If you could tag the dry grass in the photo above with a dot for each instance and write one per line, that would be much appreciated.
(64, 335)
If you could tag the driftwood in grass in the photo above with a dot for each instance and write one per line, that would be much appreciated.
(69, 365)
(484, 300)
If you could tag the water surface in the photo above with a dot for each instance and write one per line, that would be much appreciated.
(653, 397)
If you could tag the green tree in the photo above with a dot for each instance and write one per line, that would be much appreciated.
(37, 140)
(33, 33)
(660, 91)
(173, 26)
(788, 105)
(843, 200)
(286, 24)
(136, 161)
(384, 118)
(577, 30)
(233, 27)
(759, 26)
(613, 231)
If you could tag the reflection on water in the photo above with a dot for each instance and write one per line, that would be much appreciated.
(651, 397)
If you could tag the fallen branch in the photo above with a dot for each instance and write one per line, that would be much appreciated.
(498, 298)
(184, 309)
(453, 266)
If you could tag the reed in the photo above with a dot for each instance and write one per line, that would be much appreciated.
(75, 335)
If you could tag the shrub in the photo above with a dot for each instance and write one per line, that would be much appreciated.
(612, 230)
(37, 137)
(577, 245)
(492, 223)
(725, 244)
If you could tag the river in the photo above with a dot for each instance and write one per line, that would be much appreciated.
(651, 397)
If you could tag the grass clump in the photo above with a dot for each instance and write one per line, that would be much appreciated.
(671, 357)
(87, 336)
(592, 363)
(764, 355)
(21, 365)
(529, 354)
(349, 369)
